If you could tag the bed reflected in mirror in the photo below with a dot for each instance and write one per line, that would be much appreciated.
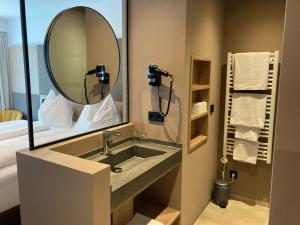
(59, 61)
(56, 115)
(13, 110)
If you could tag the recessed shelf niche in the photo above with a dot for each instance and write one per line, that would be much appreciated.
(199, 92)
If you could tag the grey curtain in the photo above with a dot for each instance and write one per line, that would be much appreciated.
(5, 85)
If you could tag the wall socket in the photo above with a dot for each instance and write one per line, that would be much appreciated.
(233, 173)
(155, 117)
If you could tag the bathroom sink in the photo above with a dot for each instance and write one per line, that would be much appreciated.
(131, 157)
(135, 164)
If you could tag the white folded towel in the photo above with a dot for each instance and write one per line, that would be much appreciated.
(246, 133)
(248, 110)
(199, 107)
(245, 151)
(139, 219)
(251, 71)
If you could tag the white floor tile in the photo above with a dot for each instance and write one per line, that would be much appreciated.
(236, 213)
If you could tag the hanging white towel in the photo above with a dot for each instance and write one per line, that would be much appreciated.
(246, 133)
(245, 151)
(251, 71)
(139, 219)
(248, 110)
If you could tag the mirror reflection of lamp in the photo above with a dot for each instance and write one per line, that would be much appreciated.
(101, 74)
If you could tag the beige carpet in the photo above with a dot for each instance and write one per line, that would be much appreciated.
(237, 213)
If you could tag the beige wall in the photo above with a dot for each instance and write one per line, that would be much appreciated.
(286, 184)
(80, 145)
(167, 33)
(251, 26)
(59, 186)
(102, 48)
(55, 188)
(199, 168)
(67, 46)
(157, 35)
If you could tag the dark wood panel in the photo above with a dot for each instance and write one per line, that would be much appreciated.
(11, 217)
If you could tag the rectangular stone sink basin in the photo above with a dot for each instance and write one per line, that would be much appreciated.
(131, 157)
(135, 164)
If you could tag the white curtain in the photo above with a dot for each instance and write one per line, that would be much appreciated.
(5, 86)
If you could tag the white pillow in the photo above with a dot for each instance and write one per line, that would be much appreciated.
(56, 112)
(50, 96)
(86, 116)
(100, 115)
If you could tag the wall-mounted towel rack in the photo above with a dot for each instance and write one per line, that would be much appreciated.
(266, 134)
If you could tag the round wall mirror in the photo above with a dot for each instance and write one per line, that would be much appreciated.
(82, 55)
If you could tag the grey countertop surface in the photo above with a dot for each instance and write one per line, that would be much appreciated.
(141, 172)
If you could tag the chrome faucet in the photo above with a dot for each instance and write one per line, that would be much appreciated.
(107, 140)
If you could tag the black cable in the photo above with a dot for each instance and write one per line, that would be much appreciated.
(169, 100)
(85, 90)
(102, 95)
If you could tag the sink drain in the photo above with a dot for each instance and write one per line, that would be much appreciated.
(116, 169)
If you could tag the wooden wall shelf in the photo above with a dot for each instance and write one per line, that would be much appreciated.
(198, 141)
(198, 87)
(199, 92)
(165, 215)
(195, 116)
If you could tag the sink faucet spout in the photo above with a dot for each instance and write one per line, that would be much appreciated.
(107, 140)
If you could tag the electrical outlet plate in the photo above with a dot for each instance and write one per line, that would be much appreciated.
(212, 108)
(155, 117)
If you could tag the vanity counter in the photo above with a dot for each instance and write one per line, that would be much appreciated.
(143, 161)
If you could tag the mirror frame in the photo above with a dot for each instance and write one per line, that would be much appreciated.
(46, 50)
(32, 147)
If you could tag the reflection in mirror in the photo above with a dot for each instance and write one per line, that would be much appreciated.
(13, 124)
(82, 55)
(13, 118)
(58, 99)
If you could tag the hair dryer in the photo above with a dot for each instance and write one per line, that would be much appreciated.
(102, 75)
(154, 79)
(154, 75)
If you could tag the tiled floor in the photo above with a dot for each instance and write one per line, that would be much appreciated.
(237, 213)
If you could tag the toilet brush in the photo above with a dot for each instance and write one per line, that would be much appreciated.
(224, 160)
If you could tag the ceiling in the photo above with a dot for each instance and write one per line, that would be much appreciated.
(10, 8)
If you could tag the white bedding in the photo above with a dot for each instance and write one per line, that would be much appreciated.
(54, 134)
(9, 147)
(14, 138)
(17, 128)
(9, 191)
(12, 124)
(9, 196)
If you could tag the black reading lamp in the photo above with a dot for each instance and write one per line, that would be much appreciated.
(102, 75)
